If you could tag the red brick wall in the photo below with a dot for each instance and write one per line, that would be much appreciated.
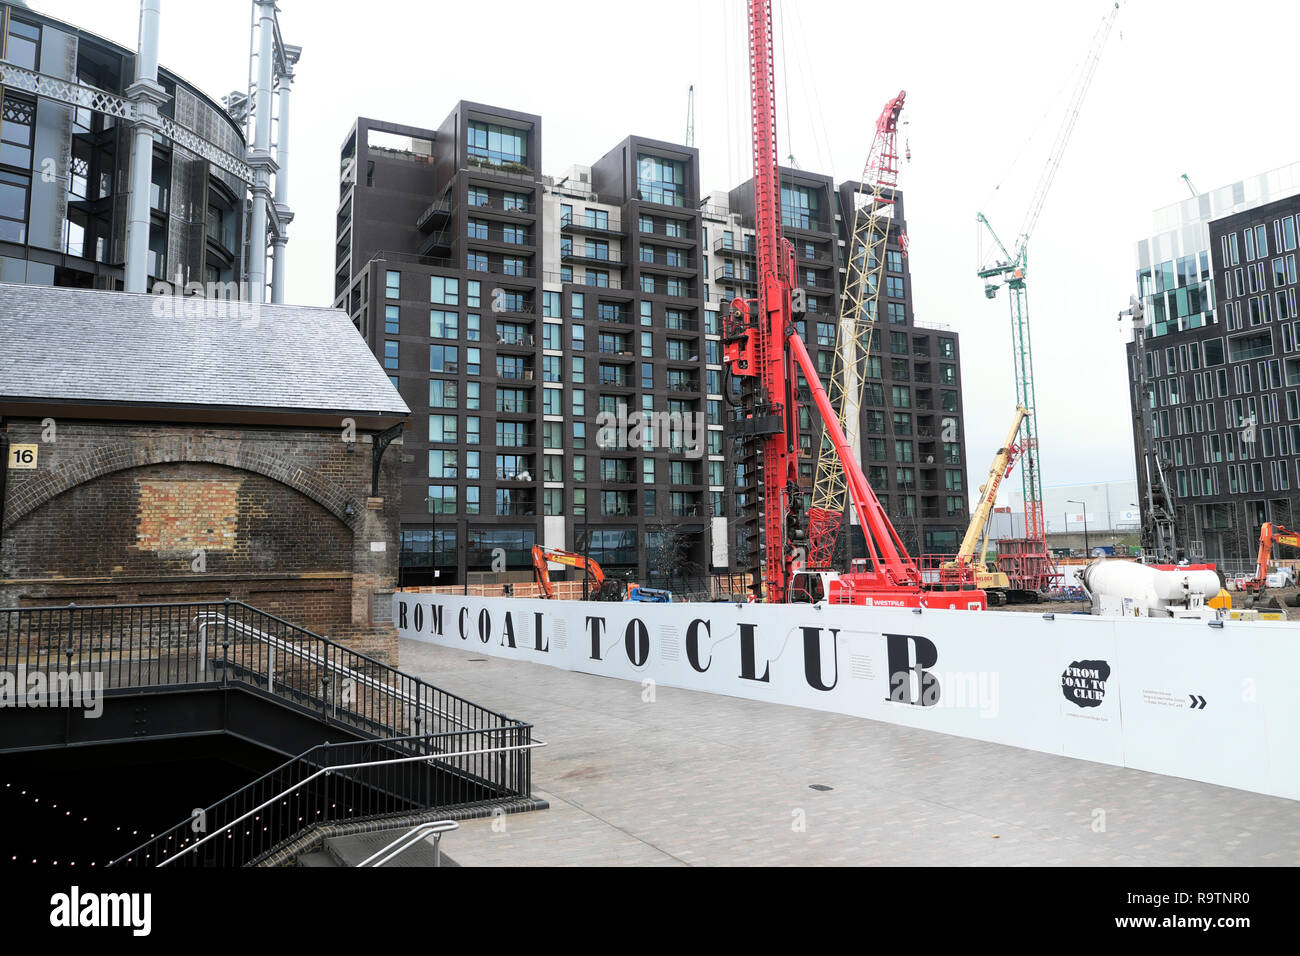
(126, 514)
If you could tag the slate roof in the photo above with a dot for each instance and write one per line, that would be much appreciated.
(76, 345)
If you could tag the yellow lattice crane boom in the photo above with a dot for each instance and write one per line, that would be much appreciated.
(859, 305)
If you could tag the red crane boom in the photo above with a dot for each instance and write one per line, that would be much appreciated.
(761, 342)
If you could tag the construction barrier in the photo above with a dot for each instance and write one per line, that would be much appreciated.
(1214, 702)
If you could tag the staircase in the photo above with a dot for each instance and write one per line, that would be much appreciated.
(399, 749)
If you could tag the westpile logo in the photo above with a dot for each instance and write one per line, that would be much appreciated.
(103, 910)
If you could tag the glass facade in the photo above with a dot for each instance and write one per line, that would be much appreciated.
(497, 145)
(661, 180)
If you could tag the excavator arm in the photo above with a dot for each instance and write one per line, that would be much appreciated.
(1003, 462)
(571, 559)
(1269, 535)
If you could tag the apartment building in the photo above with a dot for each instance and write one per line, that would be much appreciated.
(1222, 364)
(531, 322)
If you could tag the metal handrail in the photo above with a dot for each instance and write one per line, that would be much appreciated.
(323, 771)
(410, 838)
(275, 642)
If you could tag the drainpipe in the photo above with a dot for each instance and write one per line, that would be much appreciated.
(147, 95)
(4, 476)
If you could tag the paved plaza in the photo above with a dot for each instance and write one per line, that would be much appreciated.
(698, 779)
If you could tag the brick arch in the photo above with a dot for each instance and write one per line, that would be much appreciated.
(108, 459)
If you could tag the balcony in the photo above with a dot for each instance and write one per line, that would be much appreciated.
(681, 325)
(515, 372)
(727, 274)
(617, 504)
(818, 255)
(660, 260)
(514, 305)
(592, 257)
(515, 503)
(498, 204)
(683, 506)
(515, 406)
(589, 281)
(606, 312)
(614, 377)
(438, 212)
(679, 381)
(682, 232)
(519, 172)
(800, 223)
(514, 339)
(616, 475)
(730, 247)
(593, 225)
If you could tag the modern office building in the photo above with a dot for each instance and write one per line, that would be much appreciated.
(530, 319)
(1222, 364)
(64, 167)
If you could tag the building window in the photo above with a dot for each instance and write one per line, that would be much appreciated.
(392, 316)
(23, 39)
(799, 207)
(496, 145)
(442, 428)
(661, 180)
(390, 354)
(393, 285)
(442, 393)
(444, 358)
(443, 325)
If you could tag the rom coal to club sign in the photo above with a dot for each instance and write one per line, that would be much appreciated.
(1071, 685)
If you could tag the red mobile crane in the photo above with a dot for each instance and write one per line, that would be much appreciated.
(761, 343)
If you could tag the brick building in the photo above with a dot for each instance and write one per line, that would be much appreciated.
(168, 450)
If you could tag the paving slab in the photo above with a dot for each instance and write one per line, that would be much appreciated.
(701, 779)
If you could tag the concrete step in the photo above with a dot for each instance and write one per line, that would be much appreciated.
(351, 850)
(317, 858)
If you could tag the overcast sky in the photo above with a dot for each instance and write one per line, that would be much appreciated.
(1183, 87)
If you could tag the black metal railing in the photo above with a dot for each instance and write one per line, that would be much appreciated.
(333, 783)
(139, 647)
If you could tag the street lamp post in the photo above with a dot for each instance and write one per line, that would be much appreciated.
(433, 539)
(586, 549)
(1087, 552)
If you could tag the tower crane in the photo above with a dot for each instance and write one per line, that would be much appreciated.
(690, 116)
(1029, 565)
(859, 307)
(762, 347)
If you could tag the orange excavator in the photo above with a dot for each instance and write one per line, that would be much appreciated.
(1269, 535)
(602, 589)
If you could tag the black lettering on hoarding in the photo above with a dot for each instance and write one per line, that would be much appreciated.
(460, 623)
(435, 619)
(748, 669)
(812, 658)
(636, 640)
(508, 634)
(419, 617)
(537, 634)
(484, 626)
(595, 626)
(898, 652)
(401, 614)
(693, 644)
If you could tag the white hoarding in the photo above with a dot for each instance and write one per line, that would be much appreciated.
(1174, 697)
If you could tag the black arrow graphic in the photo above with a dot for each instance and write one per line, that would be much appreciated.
(1198, 703)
